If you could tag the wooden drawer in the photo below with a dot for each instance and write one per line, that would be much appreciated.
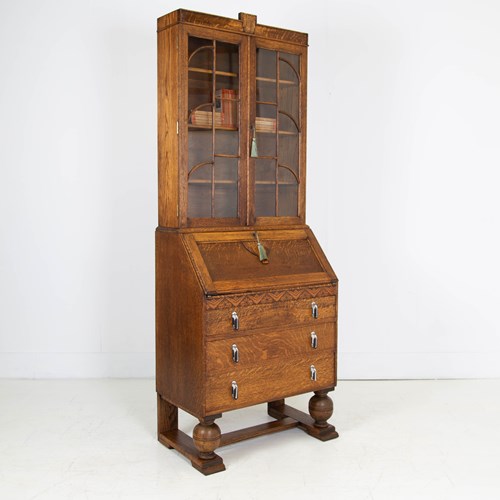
(269, 380)
(257, 347)
(270, 316)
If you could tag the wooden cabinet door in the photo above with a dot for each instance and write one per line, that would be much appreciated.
(277, 122)
(242, 129)
(213, 133)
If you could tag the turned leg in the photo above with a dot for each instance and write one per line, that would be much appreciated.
(167, 417)
(206, 438)
(321, 409)
(315, 424)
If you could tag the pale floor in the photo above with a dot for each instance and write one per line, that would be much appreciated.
(401, 440)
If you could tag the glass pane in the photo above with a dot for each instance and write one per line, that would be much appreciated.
(266, 91)
(200, 192)
(289, 66)
(265, 120)
(265, 188)
(226, 170)
(266, 63)
(289, 98)
(266, 144)
(289, 102)
(266, 75)
(289, 151)
(265, 171)
(227, 58)
(200, 73)
(200, 53)
(287, 193)
(227, 84)
(287, 123)
(227, 104)
(227, 142)
(200, 93)
(226, 187)
(213, 106)
(199, 147)
(277, 123)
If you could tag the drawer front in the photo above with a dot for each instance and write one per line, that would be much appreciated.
(269, 380)
(270, 316)
(248, 350)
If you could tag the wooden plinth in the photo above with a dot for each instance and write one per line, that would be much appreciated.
(286, 416)
(303, 421)
(184, 444)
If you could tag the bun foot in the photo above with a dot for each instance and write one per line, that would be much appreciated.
(206, 438)
(321, 409)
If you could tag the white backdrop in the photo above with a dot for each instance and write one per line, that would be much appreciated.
(403, 181)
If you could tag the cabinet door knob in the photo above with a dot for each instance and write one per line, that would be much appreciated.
(235, 321)
(234, 390)
(314, 340)
(314, 375)
(235, 353)
(314, 308)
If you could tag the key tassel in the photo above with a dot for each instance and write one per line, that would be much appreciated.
(253, 150)
(262, 251)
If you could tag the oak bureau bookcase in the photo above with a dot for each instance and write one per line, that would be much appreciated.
(246, 301)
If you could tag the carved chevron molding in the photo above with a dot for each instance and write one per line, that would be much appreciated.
(252, 299)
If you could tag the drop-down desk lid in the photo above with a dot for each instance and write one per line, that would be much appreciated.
(232, 262)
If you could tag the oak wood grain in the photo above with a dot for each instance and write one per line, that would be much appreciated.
(268, 380)
(257, 431)
(239, 235)
(185, 445)
(230, 25)
(273, 316)
(305, 422)
(258, 347)
(208, 268)
(180, 356)
(168, 146)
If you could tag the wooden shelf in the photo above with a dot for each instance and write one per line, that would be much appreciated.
(273, 183)
(209, 181)
(264, 183)
(209, 127)
(263, 79)
(281, 132)
(209, 72)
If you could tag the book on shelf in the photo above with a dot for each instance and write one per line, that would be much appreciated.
(204, 118)
(226, 103)
(263, 124)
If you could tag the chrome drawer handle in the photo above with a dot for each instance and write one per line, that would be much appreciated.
(234, 390)
(235, 321)
(314, 308)
(314, 340)
(314, 375)
(236, 353)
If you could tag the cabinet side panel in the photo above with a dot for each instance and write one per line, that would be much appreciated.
(320, 255)
(179, 315)
(336, 341)
(168, 146)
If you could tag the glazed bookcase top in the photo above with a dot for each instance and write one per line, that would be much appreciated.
(231, 122)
